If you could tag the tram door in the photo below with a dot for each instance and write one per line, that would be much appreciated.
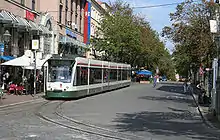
(45, 75)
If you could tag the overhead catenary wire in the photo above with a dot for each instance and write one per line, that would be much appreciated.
(158, 5)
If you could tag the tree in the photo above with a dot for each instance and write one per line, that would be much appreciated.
(128, 38)
(191, 33)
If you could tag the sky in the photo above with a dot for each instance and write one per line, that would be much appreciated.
(158, 17)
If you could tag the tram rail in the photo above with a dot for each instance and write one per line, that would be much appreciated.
(78, 126)
(6, 110)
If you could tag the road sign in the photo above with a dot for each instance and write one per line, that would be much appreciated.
(2, 48)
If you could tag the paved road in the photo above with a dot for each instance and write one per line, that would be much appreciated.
(161, 113)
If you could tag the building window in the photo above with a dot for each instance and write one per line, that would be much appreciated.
(80, 22)
(71, 6)
(67, 4)
(22, 2)
(66, 21)
(76, 14)
(33, 4)
(60, 13)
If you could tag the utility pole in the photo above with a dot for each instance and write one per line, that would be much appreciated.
(217, 40)
(35, 47)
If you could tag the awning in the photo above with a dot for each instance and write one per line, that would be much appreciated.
(9, 16)
(39, 63)
(66, 39)
(144, 72)
(26, 62)
(5, 18)
(1, 17)
(22, 23)
(6, 57)
(44, 29)
(34, 26)
(20, 61)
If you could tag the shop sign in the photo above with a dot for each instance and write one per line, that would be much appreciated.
(30, 15)
(35, 44)
(2, 47)
(70, 33)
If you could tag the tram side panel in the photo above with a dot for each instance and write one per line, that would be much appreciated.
(100, 79)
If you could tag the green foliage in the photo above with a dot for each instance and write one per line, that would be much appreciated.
(128, 38)
(191, 33)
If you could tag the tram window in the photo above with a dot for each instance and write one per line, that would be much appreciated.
(105, 75)
(113, 75)
(95, 76)
(60, 71)
(124, 74)
(119, 75)
(82, 76)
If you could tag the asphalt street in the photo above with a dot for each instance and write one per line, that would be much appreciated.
(136, 112)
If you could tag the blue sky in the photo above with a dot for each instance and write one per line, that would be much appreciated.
(158, 16)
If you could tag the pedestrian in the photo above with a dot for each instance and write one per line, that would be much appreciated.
(185, 86)
(155, 81)
(31, 83)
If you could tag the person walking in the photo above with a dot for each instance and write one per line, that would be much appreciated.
(185, 86)
(31, 83)
(155, 81)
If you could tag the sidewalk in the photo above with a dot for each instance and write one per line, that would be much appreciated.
(16, 99)
(207, 115)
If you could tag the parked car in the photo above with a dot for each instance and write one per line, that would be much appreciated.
(164, 78)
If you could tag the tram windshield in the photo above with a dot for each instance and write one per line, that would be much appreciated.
(60, 70)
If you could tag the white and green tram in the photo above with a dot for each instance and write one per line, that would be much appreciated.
(78, 77)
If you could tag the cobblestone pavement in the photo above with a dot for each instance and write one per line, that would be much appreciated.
(161, 113)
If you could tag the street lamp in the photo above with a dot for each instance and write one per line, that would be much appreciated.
(7, 36)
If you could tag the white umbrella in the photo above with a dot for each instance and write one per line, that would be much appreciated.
(22, 61)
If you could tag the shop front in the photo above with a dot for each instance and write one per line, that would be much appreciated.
(68, 44)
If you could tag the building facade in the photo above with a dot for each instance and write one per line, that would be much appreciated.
(16, 18)
(96, 16)
(61, 26)
(70, 21)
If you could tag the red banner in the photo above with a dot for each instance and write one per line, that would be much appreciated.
(86, 23)
(30, 15)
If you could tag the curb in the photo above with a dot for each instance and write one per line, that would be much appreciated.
(38, 98)
(204, 118)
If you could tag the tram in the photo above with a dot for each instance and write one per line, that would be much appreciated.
(70, 77)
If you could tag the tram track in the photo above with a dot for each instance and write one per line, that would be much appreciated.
(6, 110)
(59, 119)
(95, 127)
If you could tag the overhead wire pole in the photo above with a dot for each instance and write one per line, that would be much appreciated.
(217, 16)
